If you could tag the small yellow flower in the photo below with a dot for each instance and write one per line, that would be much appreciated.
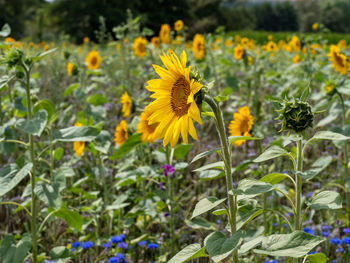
(315, 26)
(79, 146)
(339, 60)
(342, 44)
(164, 33)
(228, 42)
(269, 37)
(139, 47)
(241, 124)
(93, 60)
(329, 88)
(121, 133)
(281, 43)
(178, 25)
(271, 46)
(198, 46)
(238, 52)
(127, 104)
(147, 130)
(70, 67)
(237, 38)
(46, 48)
(244, 41)
(296, 59)
(250, 60)
(86, 40)
(10, 40)
(295, 43)
(155, 41)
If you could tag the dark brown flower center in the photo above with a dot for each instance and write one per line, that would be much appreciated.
(179, 94)
(93, 61)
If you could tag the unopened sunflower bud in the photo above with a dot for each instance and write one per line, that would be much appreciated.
(330, 88)
(295, 116)
(13, 57)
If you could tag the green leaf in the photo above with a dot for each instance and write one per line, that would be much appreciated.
(252, 187)
(48, 194)
(103, 142)
(206, 153)
(296, 244)
(11, 252)
(68, 91)
(76, 134)
(328, 135)
(181, 150)
(118, 203)
(4, 80)
(10, 177)
(219, 247)
(190, 252)
(326, 200)
(317, 167)
(233, 139)
(58, 153)
(247, 213)
(206, 204)
(200, 223)
(46, 105)
(127, 146)
(273, 178)
(250, 245)
(208, 175)
(317, 258)
(44, 54)
(97, 99)
(220, 212)
(59, 252)
(220, 98)
(5, 30)
(35, 126)
(271, 153)
(218, 165)
(72, 218)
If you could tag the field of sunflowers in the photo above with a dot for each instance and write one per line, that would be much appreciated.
(160, 147)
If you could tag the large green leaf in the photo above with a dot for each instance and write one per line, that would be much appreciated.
(317, 258)
(250, 245)
(181, 150)
(72, 218)
(296, 244)
(103, 142)
(4, 80)
(190, 252)
(127, 146)
(200, 223)
(326, 200)
(318, 166)
(46, 105)
(217, 165)
(328, 135)
(35, 126)
(252, 187)
(208, 175)
(271, 153)
(206, 204)
(273, 178)
(76, 134)
(219, 246)
(48, 194)
(11, 252)
(10, 176)
(43, 54)
(204, 154)
(247, 213)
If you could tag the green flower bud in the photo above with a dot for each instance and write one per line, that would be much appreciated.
(66, 54)
(13, 57)
(296, 116)
(330, 88)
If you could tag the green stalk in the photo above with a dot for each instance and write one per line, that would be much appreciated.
(298, 189)
(232, 199)
(32, 175)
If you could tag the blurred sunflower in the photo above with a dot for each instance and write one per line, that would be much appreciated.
(139, 47)
(86, 40)
(127, 104)
(237, 38)
(342, 44)
(228, 42)
(315, 26)
(330, 88)
(164, 33)
(241, 124)
(198, 46)
(339, 60)
(70, 67)
(148, 131)
(93, 60)
(296, 59)
(178, 25)
(295, 43)
(121, 133)
(238, 52)
(155, 41)
(174, 107)
(271, 46)
(244, 41)
(79, 146)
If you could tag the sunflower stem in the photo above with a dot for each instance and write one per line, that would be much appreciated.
(226, 148)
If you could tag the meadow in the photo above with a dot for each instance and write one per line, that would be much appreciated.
(224, 147)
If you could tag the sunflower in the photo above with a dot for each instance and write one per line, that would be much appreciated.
(339, 60)
(93, 60)
(271, 46)
(198, 46)
(121, 133)
(237, 38)
(241, 124)
(315, 26)
(70, 68)
(148, 131)
(228, 42)
(127, 104)
(296, 59)
(178, 25)
(155, 41)
(244, 41)
(175, 107)
(86, 40)
(238, 52)
(139, 47)
(295, 43)
(164, 33)
(79, 146)
(342, 44)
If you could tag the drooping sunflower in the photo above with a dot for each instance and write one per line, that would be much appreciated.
(70, 68)
(174, 107)
(79, 146)
(178, 25)
(238, 52)
(339, 61)
(198, 46)
(93, 60)
(155, 41)
(127, 104)
(139, 47)
(121, 133)
(241, 124)
(147, 131)
(164, 33)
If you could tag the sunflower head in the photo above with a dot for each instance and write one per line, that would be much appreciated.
(198, 46)
(139, 47)
(93, 60)
(155, 41)
(315, 26)
(86, 40)
(174, 107)
(339, 61)
(330, 88)
(127, 104)
(295, 116)
(79, 146)
(238, 52)
(295, 43)
(241, 124)
(121, 133)
(271, 46)
(164, 33)
(147, 130)
(178, 25)
(13, 57)
(72, 69)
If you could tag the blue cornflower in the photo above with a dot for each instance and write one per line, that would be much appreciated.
(152, 245)
(76, 244)
(336, 241)
(326, 227)
(117, 239)
(347, 240)
(325, 233)
(309, 231)
(271, 261)
(123, 245)
(142, 243)
(113, 260)
(340, 249)
(107, 245)
(346, 230)
(87, 244)
(275, 224)
(309, 194)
